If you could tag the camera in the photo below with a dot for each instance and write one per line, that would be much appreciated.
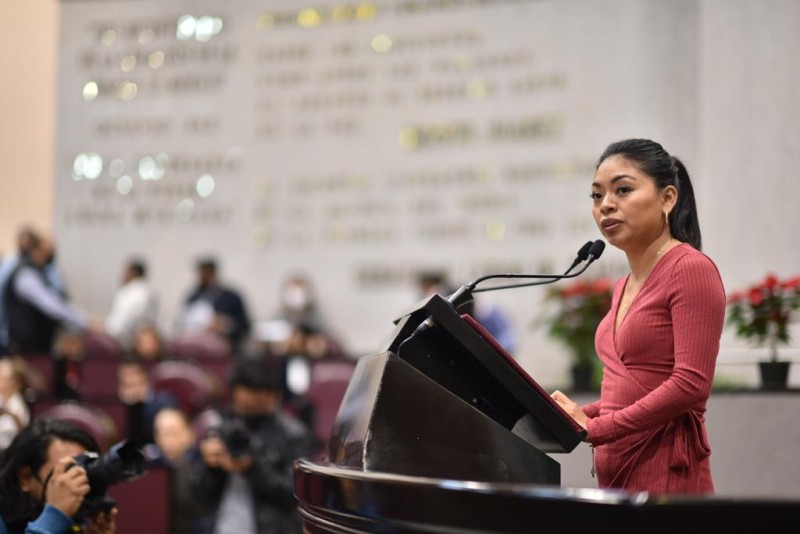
(123, 462)
(236, 435)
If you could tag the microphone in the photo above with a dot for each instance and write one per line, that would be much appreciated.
(595, 251)
(583, 253)
(589, 252)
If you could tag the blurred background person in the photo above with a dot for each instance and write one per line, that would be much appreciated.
(246, 476)
(149, 344)
(174, 448)
(25, 239)
(136, 391)
(14, 412)
(135, 302)
(35, 309)
(298, 303)
(484, 311)
(213, 306)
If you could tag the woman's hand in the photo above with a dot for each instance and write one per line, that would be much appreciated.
(571, 407)
(67, 486)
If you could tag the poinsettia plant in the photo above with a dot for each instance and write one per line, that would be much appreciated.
(764, 311)
(574, 311)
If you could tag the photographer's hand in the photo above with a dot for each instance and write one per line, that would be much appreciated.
(102, 523)
(215, 454)
(213, 451)
(67, 487)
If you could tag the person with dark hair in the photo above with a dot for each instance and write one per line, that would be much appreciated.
(26, 237)
(141, 400)
(660, 340)
(245, 478)
(41, 486)
(215, 307)
(135, 303)
(36, 310)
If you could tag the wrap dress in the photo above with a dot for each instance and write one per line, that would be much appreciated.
(647, 430)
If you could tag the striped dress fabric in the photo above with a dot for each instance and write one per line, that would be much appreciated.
(648, 428)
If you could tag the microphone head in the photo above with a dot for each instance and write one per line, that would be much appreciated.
(583, 253)
(596, 250)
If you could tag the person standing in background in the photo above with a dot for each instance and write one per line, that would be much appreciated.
(660, 340)
(35, 309)
(135, 303)
(214, 307)
(26, 236)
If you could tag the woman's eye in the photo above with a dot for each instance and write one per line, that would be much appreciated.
(623, 189)
(595, 196)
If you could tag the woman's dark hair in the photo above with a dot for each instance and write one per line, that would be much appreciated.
(651, 158)
(29, 449)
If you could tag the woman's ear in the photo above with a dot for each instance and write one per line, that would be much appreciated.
(669, 195)
(25, 478)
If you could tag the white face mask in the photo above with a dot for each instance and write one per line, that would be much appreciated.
(295, 298)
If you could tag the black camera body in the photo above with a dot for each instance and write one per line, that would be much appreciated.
(236, 435)
(122, 463)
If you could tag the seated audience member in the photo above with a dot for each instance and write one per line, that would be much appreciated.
(143, 402)
(215, 307)
(14, 412)
(68, 356)
(135, 302)
(149, 345)
(298, 303)
(35, 309)
(246, 475)
(174, 448)
(41, 486)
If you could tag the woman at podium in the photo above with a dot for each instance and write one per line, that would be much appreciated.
(659, 342)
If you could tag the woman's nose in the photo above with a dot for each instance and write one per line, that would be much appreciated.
(607, 205)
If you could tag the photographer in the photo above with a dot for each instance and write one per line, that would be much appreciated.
(42, 488)
(246, 477)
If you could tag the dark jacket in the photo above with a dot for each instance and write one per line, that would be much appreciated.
(30, 330)
(228, 303)
(276, 443)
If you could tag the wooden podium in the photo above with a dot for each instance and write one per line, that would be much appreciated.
(441, 431)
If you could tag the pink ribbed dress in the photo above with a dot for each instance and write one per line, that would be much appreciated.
(648, 428)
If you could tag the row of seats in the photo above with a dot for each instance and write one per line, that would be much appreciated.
(196, 385)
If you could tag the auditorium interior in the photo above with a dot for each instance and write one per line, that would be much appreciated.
(318, 186)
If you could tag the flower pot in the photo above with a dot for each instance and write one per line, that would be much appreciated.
(774, 375)
(583, 377)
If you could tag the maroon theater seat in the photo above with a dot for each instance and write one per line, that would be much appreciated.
(192, 386)
(200, 346)
(90, 418)
(99, 345)
(327, 386)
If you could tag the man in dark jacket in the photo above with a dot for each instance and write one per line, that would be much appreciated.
(215, 307)
(246, 476)
(36, 309)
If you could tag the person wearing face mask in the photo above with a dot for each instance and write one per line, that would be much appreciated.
(298, 304)
(659, 342)
(245, 477)
(41, 487)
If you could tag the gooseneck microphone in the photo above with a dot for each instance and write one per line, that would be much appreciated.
(595, 250)
(588, 253)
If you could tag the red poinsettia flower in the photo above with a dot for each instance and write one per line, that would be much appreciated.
(763, 312)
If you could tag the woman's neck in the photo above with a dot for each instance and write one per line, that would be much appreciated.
(642, 261)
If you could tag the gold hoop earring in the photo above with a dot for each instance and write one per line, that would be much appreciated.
(666, 218)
